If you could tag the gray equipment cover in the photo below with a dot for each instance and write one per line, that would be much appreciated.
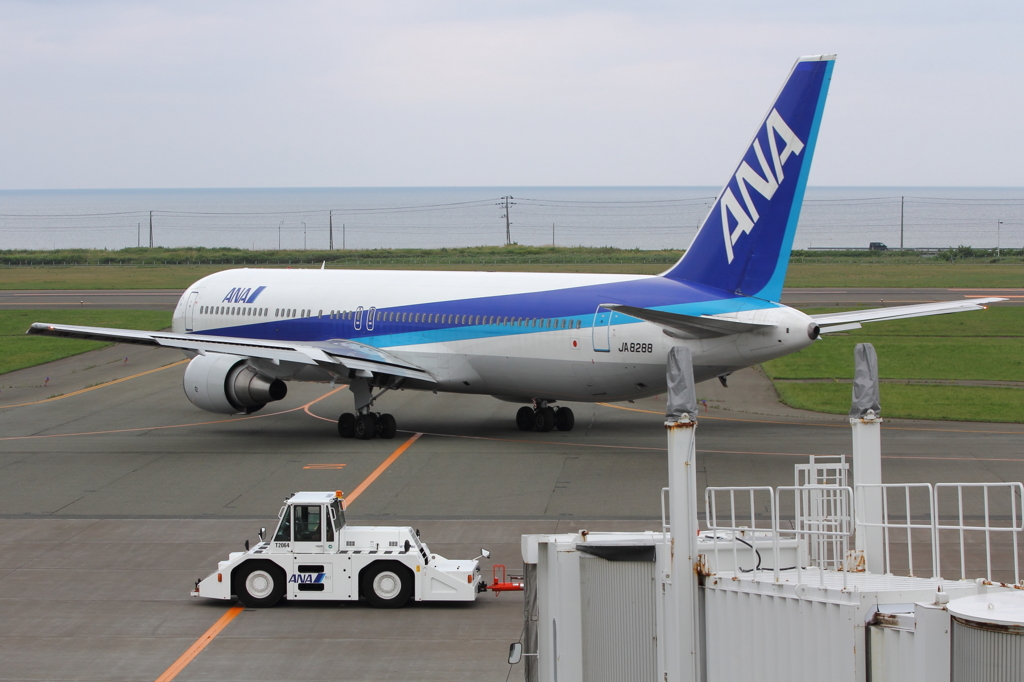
(682, 395)
(865, 382)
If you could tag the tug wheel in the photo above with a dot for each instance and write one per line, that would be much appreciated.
(386, 584)
(259, 584)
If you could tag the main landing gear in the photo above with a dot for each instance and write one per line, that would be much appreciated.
(366, 426)
(544, 418)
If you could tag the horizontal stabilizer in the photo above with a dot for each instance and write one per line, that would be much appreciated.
(698, 327)
(348, 354)
(836, 322)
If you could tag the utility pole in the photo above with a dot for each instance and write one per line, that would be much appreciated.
(151, 229)
(505, 203)
(901, 223)
(330, 240)
(552, 234)
(999, 224)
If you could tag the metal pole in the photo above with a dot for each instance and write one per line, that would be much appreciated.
(901, 223)
(330, 239)
(138, 235)
(279, 235)
(303, 236)
(552, 234)
(343, 236)
(866, 425)
(682, 626)
(151, 229)
(999, 224)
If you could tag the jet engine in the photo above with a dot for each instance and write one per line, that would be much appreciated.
(228, 384)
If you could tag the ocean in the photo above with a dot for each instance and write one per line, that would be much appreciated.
(434, 217)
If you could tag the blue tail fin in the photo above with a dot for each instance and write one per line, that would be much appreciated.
(743, 246)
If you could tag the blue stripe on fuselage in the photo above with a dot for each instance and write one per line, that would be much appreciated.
(577, 303)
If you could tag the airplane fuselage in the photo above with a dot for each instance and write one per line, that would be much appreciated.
(517, 336)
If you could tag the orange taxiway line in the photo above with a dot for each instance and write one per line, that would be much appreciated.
(380, 470)
(93, 388)
(199, 644)
(178, 426)
(209, 635)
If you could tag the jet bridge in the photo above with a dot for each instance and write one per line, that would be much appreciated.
(830, 578)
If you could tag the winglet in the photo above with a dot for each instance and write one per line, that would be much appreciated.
(743, 246)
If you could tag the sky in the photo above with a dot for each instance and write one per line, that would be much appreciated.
(118, 94)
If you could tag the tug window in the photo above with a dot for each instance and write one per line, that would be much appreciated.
(307, 523)
(284, 529)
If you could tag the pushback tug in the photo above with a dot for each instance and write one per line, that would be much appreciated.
(314, 555)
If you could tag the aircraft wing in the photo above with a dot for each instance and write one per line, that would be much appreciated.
(698, 327)
(348, 354)
(837, 322)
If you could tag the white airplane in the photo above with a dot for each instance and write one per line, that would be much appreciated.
(524, 337)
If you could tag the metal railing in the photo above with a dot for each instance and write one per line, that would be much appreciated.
(1002, 516)
(1014, 522)
(915, 518)
(741, 525)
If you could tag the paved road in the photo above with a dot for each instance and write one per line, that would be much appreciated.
(128, 299)
(166, 299)
(115, 497)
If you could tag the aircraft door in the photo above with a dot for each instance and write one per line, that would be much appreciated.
(190, 310)
(602, 330)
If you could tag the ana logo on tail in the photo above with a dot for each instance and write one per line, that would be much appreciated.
(745, 215)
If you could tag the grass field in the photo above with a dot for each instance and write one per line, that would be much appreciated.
(177, 268)
(976, 346)
(949, 403)
(20, 351)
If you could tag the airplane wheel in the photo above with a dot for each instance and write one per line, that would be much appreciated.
(524, 419)
(386, 584)
(564, 419)
(347, 425)
(366, 426)
(544, 419)
(386, 426)
(259, 584)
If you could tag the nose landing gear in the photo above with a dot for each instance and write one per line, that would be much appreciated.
(543, 418)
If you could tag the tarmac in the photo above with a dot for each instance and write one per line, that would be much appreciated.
(116, 494)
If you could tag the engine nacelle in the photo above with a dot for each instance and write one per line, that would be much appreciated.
(227, 384)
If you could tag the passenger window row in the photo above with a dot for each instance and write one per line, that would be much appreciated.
(441, 318)
(383, 316)
(236, 310)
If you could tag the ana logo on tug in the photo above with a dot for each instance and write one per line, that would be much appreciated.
(745, 215)
(306, 578)
(240, 295)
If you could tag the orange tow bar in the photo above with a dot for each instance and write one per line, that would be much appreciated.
(505, 583)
